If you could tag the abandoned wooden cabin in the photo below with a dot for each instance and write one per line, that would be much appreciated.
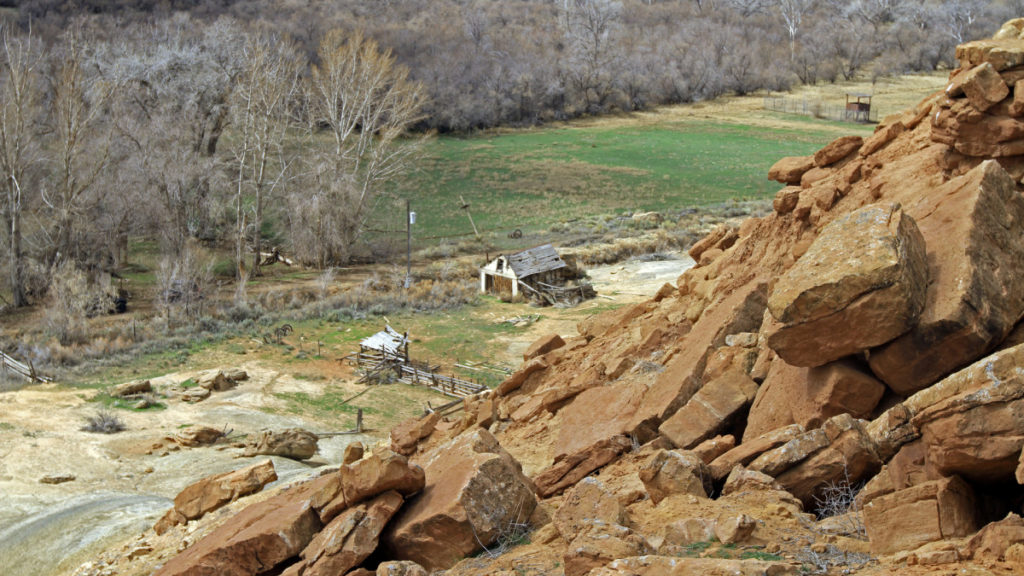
(509, 273)
(384, 346)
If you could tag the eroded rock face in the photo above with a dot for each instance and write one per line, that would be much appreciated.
(861, 283)
(790, 169)
(291, 443)
(474, 490)
(974, 229)
(408, 433)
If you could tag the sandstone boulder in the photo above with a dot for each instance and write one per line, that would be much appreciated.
(215, 381)
(291, 443)
(790, 169)
(924, 513)
(131, 388)
(542, 346)
(257, 540)
(671, 472)
(974, 228)
(742, 310)
(710, 410)
(742, 480)
(363, 479)
(348, 539)
(840, 451)
(353, 453)
(193, 395)
(750, 449)
(837, 150)
(599, 545)
(809, 396)
(516, 380)
(992, 542)
(588, 428)
(1001, 53)
(983, 86)
(474, 491)
(213, 492)
(407, 434)
(712, 448)
(571, 468)
(197, 435)
(586, 504)
(861, 283)
(972, 422)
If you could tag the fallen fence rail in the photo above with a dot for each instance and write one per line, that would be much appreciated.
(9, 364)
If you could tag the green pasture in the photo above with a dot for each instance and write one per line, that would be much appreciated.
(534, 179)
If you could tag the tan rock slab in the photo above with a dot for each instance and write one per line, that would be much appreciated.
(861, 283)
(710, 410)
(974, 229)
(675, 472)
(929, 512)
(790, 169)
(837, 150)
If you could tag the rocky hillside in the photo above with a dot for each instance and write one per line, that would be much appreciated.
(838, 386)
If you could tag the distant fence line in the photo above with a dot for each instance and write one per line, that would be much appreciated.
(817, 109)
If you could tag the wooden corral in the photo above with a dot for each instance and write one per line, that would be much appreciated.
(384, 346)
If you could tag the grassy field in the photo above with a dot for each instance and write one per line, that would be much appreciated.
(534, 179)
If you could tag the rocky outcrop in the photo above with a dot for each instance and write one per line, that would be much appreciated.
(213, 492)
(710, 410)
(474, 491)
(291, 443)
(861, 284)
(974, 228)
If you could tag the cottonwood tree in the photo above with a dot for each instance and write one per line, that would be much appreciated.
(590, 25)
(366, 102)
(173, 83)
(21, 94)
(792, 13)
(82, 151)
(261, 115)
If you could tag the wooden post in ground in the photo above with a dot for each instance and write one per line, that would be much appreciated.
(359, 421)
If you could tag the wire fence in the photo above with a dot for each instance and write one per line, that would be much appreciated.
(819, 109)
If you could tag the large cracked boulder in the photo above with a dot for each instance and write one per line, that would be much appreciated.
(972, 422)
(974, 228)
(474, 492)
(348, 539)
(860, 284)
(291, 443)
(215, 491)
(255, 541)
(670, 472)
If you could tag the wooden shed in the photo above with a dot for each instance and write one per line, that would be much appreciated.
(386, 345)
(539, 264)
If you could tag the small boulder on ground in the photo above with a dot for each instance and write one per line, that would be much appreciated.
(293, 443)
(131, 388)
(670, 472)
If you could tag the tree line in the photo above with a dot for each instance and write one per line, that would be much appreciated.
(253, 122)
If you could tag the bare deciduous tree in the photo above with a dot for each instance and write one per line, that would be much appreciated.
(20, 107)
(366, 102)
(261, 116)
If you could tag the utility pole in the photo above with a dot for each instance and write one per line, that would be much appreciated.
(408, 245)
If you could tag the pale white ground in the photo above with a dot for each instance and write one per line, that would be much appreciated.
(120, 490)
